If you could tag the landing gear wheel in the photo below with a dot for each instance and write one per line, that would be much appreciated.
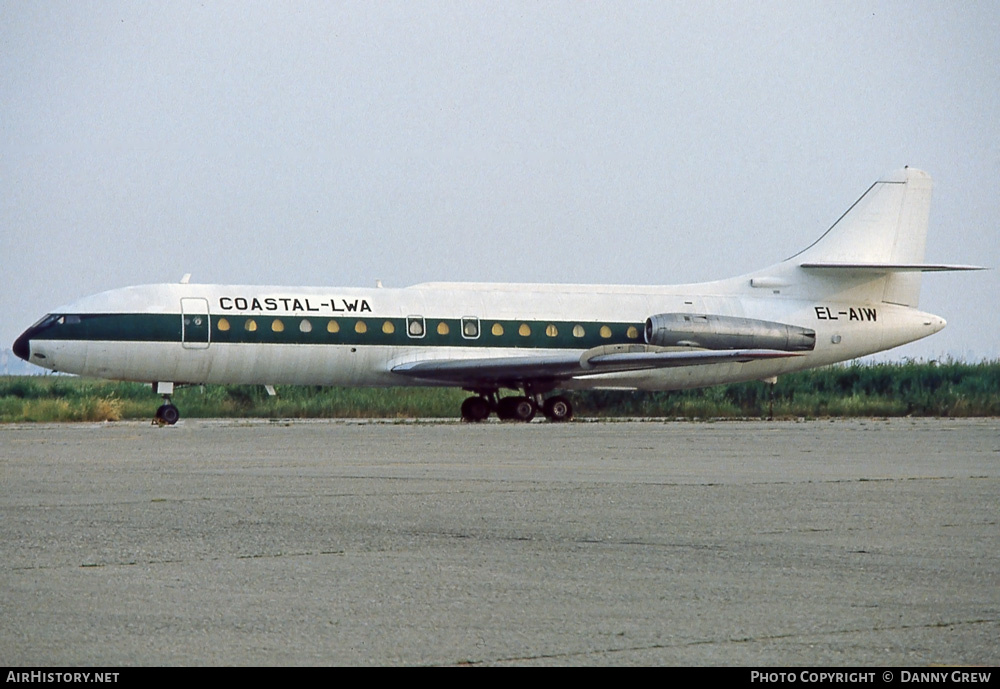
(557, 409)
(525, 409)
(516, 409)
(504, 410)
(475, 409)
(168, 414)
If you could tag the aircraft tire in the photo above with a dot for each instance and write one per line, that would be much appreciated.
(505, 408)
(168, 414)
(504, 412)
(557, 409)
(515, 409)
(475, 409)
(523, 409)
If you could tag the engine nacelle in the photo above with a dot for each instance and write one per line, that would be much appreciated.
(726, 332)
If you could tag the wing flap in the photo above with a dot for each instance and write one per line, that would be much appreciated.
(504, 371)
(638, 361)
(515, 371)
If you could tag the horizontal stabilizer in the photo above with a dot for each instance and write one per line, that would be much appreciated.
(883, 268)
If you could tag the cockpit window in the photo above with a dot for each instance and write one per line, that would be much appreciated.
(45, 321)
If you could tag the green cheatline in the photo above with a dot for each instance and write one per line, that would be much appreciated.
(949, 388)
(355, 329)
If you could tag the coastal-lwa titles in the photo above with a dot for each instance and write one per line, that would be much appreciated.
(295, 304)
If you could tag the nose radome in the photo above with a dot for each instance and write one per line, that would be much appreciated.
(22, 345)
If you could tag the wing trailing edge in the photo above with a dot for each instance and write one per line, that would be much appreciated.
(515, 371)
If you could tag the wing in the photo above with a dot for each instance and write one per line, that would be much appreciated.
(552, 368)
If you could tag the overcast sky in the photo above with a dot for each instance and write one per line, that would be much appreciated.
(336, 143)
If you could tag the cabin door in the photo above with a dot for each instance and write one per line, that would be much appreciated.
(196, 329)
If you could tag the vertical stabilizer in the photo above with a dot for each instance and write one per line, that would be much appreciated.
(885, 233)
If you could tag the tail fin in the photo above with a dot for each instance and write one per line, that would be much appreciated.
(873, 253)
(882, 235)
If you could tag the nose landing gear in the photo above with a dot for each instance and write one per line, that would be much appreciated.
(167, 414)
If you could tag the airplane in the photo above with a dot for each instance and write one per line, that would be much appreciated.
(852, 292)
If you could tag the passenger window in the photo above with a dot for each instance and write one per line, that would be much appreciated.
(632, 332)
(388, 328)
(415, 326)
(223, 325)
(333, 326)
(578, 331)
(305, 326)
(605, 332)
(277, 326)
(360, 327)
(524, 330)
(497, 329)
(470, 328)
(250, 325)
(443, 328)
(551, 330)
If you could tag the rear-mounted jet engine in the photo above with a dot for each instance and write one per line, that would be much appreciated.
(726, 332)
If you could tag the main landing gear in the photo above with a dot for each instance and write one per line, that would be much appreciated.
(515, 408)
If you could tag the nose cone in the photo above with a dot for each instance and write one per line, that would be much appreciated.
(22, 345)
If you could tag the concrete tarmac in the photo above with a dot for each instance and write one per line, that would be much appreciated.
(861, 542)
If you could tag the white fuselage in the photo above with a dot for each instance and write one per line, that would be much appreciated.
(852, 292)
(291, 344)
